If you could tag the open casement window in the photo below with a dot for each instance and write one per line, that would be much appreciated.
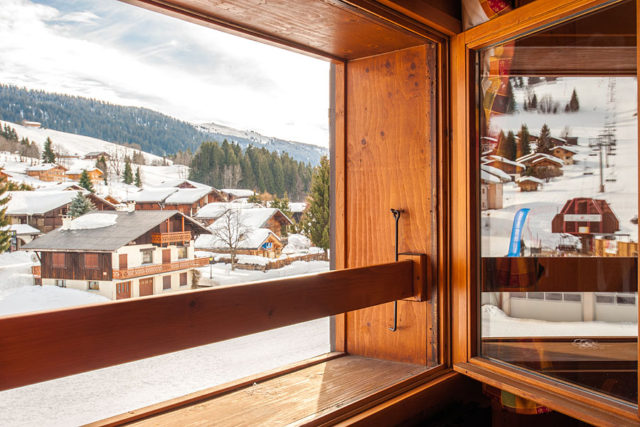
(389, 334)
(547, 132)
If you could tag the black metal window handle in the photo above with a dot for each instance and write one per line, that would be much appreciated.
(396, 215)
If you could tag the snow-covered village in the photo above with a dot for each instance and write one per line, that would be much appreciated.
(564, 179)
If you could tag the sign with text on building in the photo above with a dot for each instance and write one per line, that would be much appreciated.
(583, 218)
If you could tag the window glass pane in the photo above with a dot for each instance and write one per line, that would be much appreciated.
(559, 201)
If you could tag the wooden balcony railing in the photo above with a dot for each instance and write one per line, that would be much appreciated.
(165, 238)
(147, 270)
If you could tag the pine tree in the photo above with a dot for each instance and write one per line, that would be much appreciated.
(101, 163)
(574, 105)
(544, 144)
(511, 100)
(138, 180)
(511, 149)
(533, 104)
(5, 233)
(524, 147)
(85, 181)
(80, 205)
(254, 198)
(48, 156)
(128, 173)
(317, 218)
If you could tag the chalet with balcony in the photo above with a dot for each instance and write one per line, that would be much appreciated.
(121, 254)
(48, 172)
(46, 209)
(529, 183)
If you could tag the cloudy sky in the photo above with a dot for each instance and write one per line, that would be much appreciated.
(126, 55)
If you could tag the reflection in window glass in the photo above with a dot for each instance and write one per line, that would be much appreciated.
(559, 201)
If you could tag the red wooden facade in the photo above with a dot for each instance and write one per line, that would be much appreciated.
(582, 215)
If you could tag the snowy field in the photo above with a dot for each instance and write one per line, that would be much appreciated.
(495, 323)
(587, 123)
(95, 395)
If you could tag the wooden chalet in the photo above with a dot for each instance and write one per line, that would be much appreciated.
(95, 175)
(251, 216)
(413, 334)
(529, 183)
(95, 155)
(186, 200)
(121, 254)
(259, 242)
(565, 153)
(47, 172)
(45, 209)
(543, 165)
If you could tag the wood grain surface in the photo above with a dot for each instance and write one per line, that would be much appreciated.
(390, 164)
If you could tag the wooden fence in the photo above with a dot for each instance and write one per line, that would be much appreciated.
(278, 263)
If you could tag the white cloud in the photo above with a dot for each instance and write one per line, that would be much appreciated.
(195, 73)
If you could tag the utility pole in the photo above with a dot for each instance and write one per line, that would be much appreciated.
(601, 171)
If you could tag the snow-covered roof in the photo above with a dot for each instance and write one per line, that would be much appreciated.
(297, 207)
(550, 158)
(567, 148)
(44, 167)
(252, 240)
(296, 243)
(499, 173)
(187, 196)
(21, 229)
(106, 231)
(258, 217)
(37, 202)
(535, 157)
(177, 182)
(238, 192)
(488, 138)
(216, 209)
(495, 158)
(151, 195)
(92, 220)
(487, 177)
(530, 179)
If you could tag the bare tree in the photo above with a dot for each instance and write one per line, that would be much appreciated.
(116, 161)
(230, 230)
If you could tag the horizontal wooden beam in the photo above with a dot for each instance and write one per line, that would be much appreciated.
(560, 274)
(42, 346)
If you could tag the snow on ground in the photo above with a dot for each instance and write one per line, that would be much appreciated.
(587, 123)
(223, 275)
(495, 323)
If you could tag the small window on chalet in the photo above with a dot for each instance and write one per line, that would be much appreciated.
(93, 285)
(91, 261)
(58, 260)
(147, 256)
(166, 282)
(183, 279)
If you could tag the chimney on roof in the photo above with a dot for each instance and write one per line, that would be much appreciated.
(66, 222)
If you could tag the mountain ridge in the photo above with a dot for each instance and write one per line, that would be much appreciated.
(152, 131)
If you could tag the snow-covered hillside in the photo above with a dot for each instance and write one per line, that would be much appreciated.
(595, 108)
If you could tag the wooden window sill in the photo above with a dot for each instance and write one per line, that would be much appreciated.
(327, 388)
(569, 400)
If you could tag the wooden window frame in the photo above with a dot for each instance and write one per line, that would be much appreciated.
(166, 282)
(291, 300)
(573, 400)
